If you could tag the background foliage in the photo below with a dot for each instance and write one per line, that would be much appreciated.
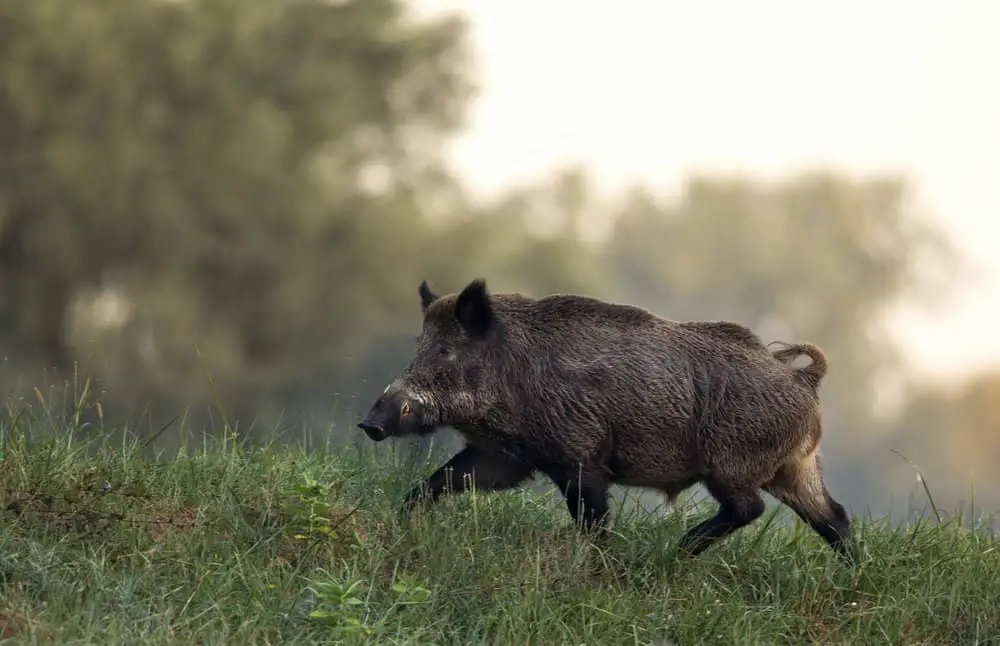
(219, 205)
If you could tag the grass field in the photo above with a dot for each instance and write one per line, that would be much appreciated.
(230, 545)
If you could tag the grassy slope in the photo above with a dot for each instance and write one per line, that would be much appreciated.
(112, 549)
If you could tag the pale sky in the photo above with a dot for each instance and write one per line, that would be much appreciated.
(653, 90)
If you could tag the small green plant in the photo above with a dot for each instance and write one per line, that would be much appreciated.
(311, 514)
(341, 607)
(409, 592)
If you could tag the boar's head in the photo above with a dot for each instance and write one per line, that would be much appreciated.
(455, 374)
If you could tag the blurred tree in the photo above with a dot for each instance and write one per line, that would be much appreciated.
(264, 182)
(529, 238)
(259, 181)
(237, 174)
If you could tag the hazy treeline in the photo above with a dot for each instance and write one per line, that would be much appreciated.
(215, 202)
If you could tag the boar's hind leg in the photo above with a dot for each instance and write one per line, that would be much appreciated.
(489, 472)
(737, 508)
(800, 486)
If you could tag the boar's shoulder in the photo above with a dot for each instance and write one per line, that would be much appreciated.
(561, 310)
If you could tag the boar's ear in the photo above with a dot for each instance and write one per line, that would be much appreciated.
(426, 296)
(473, 309)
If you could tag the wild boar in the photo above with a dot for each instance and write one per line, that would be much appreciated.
(591, 393)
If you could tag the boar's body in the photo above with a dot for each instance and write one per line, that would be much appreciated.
(655, 402)
(593, 393)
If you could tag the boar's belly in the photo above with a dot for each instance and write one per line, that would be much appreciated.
(651, 459)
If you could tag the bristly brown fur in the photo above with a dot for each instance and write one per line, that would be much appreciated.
(592, 393)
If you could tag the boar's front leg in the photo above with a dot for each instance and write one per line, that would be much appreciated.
(489, 472)
(586, 494)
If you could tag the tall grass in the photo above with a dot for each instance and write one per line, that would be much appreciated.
(224, 543)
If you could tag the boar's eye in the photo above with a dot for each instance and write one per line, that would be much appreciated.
(405, 409)
(443, 350)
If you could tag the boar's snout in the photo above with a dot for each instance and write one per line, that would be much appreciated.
(394, 414)
(372, 430)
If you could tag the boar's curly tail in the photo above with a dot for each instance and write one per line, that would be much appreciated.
(810, 375)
